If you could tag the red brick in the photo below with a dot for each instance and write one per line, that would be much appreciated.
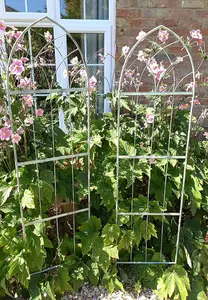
(167, 22)
(142, 22)
(201, 14)
(128, 13)
(166, 3)
(189, 23)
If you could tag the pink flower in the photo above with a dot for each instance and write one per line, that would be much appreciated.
(130, 73)
(29, 121)
(48, 36)
(24, 59)
(7, 122)
(102, 58)
(196, 102)
(24, 82)
(150, 118)
(17, 34)
(92, 83)
(20, 47)
(141, 56)
(20, 130)
(2, 26)
(196, 34)
(163, 88)
(5, 134)
(183, 106)
(190, 86)
(83, 73)
(125, 50)
(28, 100)
(16, 68)
(157, 71)
(39, 112)
(206, 135)
(16, 138)
(163, 35)
(141, 35)
(10, 36)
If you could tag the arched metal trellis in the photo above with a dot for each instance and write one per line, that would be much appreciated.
(51, 156)
(153, 77)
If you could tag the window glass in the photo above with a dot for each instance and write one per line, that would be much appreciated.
(32, 6)
(85, 9)
(15, 5)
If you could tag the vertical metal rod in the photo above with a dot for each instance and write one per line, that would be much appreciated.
(84, 9)
(34, 134)
(54, 169)
(166, 174)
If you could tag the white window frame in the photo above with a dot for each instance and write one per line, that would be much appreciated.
(107, 27)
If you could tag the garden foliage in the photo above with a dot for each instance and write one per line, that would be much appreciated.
(99, 242)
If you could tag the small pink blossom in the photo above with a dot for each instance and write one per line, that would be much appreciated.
(183, 106)
(163, 35)
(150, 118)
(20, 130)
(5, 134)
(24, 59)
(196, 34)
(39, 112)
(130, 73)
(141, 56)
(190, 86)
(17, 34)
(16, 68)
(196, 102)
(16, 138)
(24, 82)
(48, 36)
(28, 100)
(163, 88)
(29, 121)
(83, 73)
(92, 83)
(206, 135)
(141, 35)
(10, 36)
(20, 47)
(125, 50)
(2, 26)
(7, 121)
(158, 71)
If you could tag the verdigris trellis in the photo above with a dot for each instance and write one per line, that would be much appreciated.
(51, 155)
(155, 80)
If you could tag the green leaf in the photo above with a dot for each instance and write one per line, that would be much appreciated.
(5, 193)
(94, 273)
(174, 281)
(61, 281)
(112, 251)
(28, 200)
(126, 240)
(111, 233)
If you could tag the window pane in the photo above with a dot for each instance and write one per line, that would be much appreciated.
(37, 6)
(91, 44)
(19, 6)
(84, 9)
(15, 5)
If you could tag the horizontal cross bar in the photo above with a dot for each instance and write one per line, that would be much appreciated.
(46, 270)
(150, 157)
(145, 263)
(57, 216)
(156, 94)
(147, 214)
(47, 91)
(40, 161)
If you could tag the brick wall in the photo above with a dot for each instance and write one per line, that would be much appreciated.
(179, 15)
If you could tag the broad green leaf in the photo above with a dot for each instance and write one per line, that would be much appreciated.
(112, 251)
(5, 194)
(175, 282)
(111, 233)
(28, 200)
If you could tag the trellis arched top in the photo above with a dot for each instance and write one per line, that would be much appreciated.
(157, 81)
(33, 55)
(158, 63)
(45, 111)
